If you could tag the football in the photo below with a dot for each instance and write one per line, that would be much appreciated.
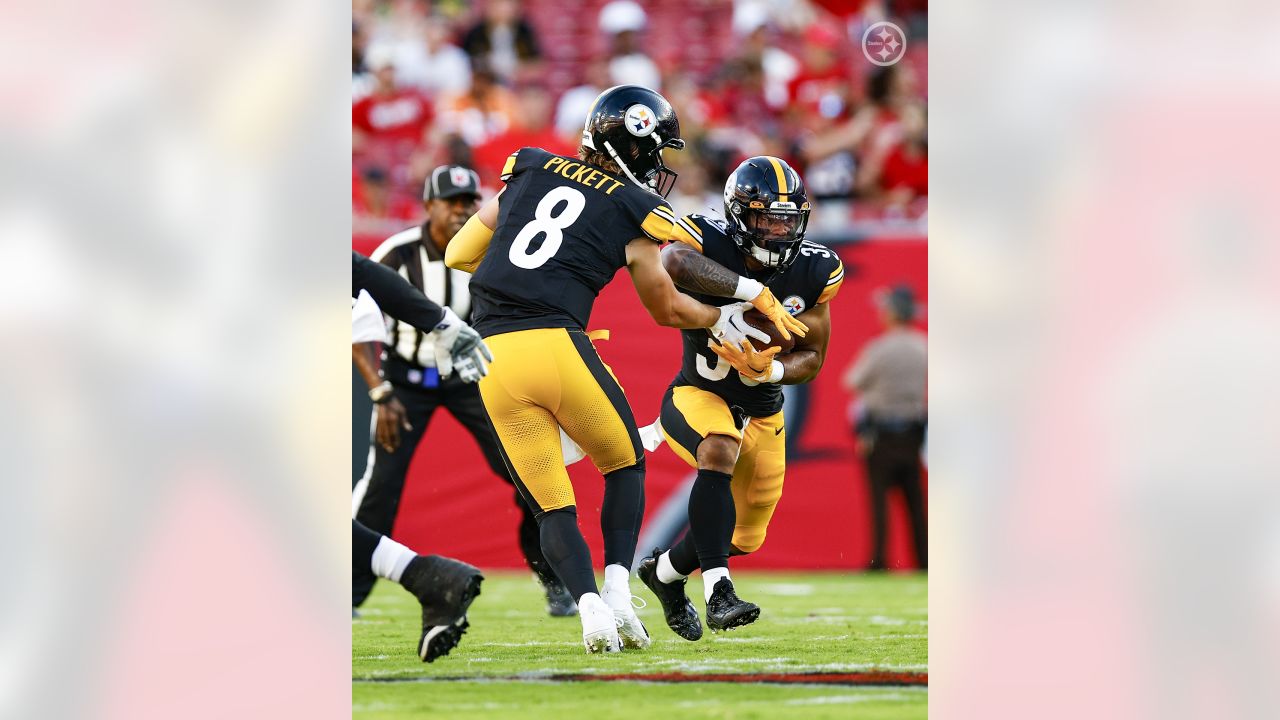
(759, 321)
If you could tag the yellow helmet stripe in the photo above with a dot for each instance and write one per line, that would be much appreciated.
(782, 179)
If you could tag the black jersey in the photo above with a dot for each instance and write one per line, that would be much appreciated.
(563, 229)
(813, 278)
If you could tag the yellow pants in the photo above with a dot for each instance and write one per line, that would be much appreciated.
(690, 414)
(546, 379)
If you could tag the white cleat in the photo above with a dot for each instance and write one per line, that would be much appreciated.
(599, 627)
(632, 632)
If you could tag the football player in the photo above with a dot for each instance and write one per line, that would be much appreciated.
(445, 587)
(723, 412)
(541, 251)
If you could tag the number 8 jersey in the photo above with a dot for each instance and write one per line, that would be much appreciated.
(563, 229)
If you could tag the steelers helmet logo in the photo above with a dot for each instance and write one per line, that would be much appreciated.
(793, 304)
(640, 120)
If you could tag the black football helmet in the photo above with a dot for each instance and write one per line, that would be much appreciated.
(767, 209)
(632, 124)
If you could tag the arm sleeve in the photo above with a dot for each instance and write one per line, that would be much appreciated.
(393, 293)
(468, 247)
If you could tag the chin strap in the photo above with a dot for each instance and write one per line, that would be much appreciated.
(627, 171)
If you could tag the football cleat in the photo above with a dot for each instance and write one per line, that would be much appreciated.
(559, 602)
(676, 608)
(446, 589)
(725, 610)
(631, 631)
(599, 625)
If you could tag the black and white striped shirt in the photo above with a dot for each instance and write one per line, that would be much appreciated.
(412, 254)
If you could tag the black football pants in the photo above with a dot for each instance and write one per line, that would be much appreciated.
(894, 462)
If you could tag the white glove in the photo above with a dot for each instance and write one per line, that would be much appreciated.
(471, 356)
(732, 328)
(455, 343)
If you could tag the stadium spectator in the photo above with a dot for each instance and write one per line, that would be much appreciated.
(503, 40)
(389, 123)
(483, 111)
(743, 99)
(623, 21)
(531, 127)
(576, 102)
(824, 80)
(890, 377)
(752, 26)
(428, 61)
(893, 108)
(696, 191)
(900, 174)
(373, 198)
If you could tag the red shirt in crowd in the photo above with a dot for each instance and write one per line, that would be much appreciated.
(490, 156)
(906, 168)
(401, 115)
(807, 89)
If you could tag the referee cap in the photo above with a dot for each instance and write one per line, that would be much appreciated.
(449, 181)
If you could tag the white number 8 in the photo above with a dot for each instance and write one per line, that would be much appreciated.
(544, 222)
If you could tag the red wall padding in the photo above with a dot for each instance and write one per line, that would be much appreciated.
(454, 506)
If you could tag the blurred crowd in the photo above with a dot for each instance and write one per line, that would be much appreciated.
(469, 83)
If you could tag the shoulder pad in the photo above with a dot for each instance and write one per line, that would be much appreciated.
(660, 224)
(828, 271)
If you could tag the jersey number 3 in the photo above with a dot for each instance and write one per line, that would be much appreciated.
(545, 222)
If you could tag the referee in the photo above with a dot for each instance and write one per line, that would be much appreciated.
(408, 389)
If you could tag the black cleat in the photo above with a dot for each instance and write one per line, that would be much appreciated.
(446, 588)
(559, 602)
(725, 610)
(681, 617)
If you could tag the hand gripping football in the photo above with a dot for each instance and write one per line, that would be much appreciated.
(759, 321)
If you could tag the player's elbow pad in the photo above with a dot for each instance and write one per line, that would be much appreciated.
(468, 247)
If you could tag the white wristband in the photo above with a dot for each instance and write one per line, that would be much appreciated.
(775, 374)
(748, 289)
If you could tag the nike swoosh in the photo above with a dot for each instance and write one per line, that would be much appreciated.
(779, 431)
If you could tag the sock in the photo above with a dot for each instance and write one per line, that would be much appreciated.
(666, 572)
(390, 559)
(683, 556)
(617, 579)
(711, 518)
(617, 586)
(567, 551)
(621, 513)
(710, 578)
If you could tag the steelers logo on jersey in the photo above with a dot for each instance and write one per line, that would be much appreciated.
(640, 120)
(793, 304)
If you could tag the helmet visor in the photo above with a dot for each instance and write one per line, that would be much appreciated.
(776, 234)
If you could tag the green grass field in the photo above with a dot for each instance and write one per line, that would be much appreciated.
(811, 622)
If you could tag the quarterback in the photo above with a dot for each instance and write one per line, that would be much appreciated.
(541, 251)
(723, 412)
